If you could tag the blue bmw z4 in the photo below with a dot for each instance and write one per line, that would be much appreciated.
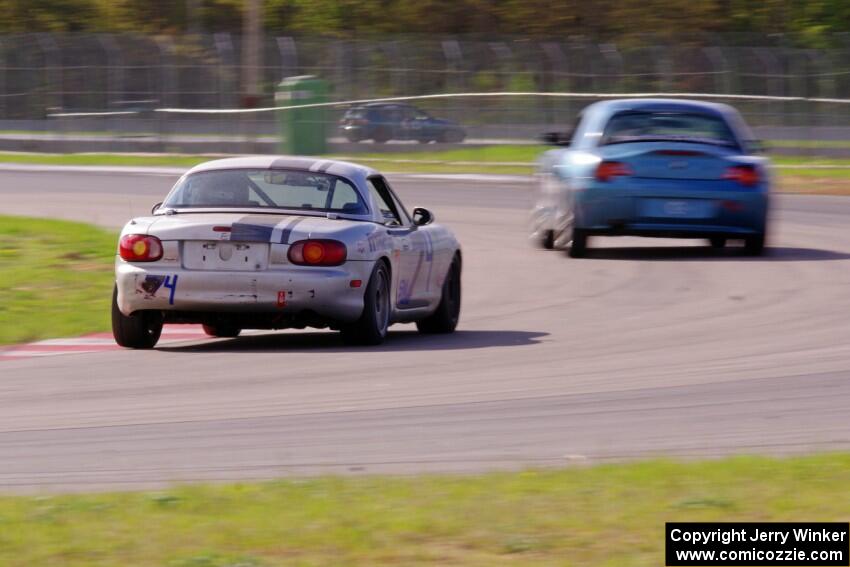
(653, 167)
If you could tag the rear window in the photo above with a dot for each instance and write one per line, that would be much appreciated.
(645, 126)
(267, 189)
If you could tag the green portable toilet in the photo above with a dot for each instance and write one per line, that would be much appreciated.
(303, 131)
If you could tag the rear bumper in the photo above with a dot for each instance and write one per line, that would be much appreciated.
(325, 292)
(622, 211)
(673, 231)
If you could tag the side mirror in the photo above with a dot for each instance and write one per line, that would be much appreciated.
(156, 207)
(557, 138)
(422, 216)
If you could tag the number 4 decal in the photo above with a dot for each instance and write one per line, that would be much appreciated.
(171, 284)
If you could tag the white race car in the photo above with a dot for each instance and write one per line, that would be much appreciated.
(277, 242)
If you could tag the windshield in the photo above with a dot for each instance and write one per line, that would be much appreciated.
(267, 189)
(644, 126)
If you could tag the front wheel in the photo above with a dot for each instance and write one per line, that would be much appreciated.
(547, 240)
(445, 318)
(371, 328)
(717, 242)
(140, 330)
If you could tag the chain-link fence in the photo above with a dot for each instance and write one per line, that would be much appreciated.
(120, 79)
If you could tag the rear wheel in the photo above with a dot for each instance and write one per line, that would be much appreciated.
(547, 239)
(381, 136)
(578, 247)
(445, 318)
(140, 330)
(222, 331)
(452, 137)
(717, 242)
(754, 245)
(371, 328)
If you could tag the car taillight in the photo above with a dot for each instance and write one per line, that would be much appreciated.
(746, 175)
(608, 170)
(317, 252)
(140, 248)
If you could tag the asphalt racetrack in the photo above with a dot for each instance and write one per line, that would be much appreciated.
(648, 347)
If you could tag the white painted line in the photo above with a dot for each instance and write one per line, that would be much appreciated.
(178, 333)
(23, 353)
(130, 170)
(491, 178)
(79, 341)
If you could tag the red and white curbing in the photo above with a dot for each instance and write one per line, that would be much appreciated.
(96, 342)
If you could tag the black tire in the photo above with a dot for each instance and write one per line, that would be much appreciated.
(353, 138)
(578, 247)
(222, 331)
(547, 239)
(754, 245)
(445, 318)
(452, 137)
(717, 242)
(141, 330)
(371, 327)
(381, 136)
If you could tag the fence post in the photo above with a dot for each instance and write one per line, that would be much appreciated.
(557, 68)
(3, 93)
(615, 60)
(454, 65)
(226, 58)
(167, 85)
(721, 69)
(288, 57)
(52, 76)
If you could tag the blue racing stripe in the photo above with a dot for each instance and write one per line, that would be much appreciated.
(286, 232)
(251, 232)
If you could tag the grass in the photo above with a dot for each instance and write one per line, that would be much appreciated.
(611, 515)
(56, 278)
(809, 144)
(150, 160)
(507, 159)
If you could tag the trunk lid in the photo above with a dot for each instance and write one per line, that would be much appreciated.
(673, 160)
(241, 242)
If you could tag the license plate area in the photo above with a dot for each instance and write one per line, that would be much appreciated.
(225, 256)
(678, 208)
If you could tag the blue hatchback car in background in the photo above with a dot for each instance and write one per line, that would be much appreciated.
(653, 167)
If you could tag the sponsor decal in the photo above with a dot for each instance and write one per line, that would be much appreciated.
(404, 292)
(171, 284)
(152, 284)
(379, 241)
(429, 257)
